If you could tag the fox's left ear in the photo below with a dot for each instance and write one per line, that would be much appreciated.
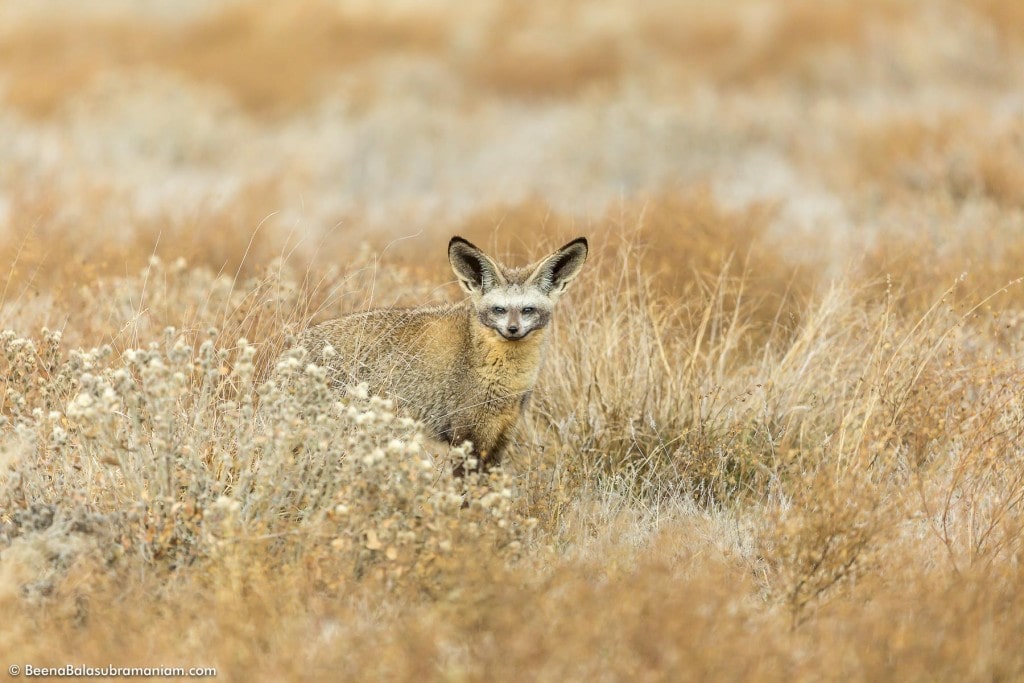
(553, 274)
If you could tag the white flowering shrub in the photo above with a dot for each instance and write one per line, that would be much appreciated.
(186, 455)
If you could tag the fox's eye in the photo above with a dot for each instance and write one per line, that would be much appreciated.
(528, 310)
(498, 310)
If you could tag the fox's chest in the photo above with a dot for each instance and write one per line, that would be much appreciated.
(509, 371)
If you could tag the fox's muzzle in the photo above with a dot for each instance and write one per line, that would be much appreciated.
(514, 324)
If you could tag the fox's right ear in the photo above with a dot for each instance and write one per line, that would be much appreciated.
(476, 272)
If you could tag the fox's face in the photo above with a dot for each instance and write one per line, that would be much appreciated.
(515, 301)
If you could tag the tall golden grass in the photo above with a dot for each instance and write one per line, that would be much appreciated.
(763, 446)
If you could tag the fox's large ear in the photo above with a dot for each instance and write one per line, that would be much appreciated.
(553, 274)
(476, 271)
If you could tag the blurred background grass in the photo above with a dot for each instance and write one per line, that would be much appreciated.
(325, 123)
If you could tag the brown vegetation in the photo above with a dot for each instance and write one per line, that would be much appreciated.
(778, 435)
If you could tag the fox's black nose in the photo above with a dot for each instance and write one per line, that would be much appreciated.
(512, 329)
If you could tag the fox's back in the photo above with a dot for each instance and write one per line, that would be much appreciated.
(414, 356)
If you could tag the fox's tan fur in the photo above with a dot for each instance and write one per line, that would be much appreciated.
(460, 369)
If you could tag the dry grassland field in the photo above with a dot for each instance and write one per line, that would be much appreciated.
(778, 431)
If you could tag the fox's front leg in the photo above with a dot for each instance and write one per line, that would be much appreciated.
(486, 451)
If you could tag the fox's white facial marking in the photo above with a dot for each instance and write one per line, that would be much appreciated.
(514, 311)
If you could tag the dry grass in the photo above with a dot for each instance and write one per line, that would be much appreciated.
(858, 438)
(778, 433)
(956, 156)
(271, 59)
(279, 57)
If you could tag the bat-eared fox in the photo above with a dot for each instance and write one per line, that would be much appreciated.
(465, 370)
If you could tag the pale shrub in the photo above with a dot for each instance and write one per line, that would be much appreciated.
(185, 456)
